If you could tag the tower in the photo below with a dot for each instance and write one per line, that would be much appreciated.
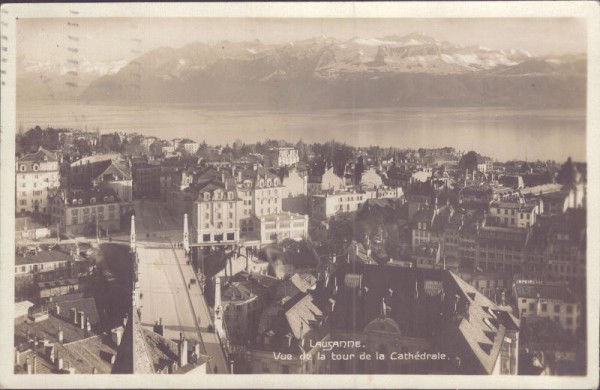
(132, 235)
(218, 309)
(186, 234)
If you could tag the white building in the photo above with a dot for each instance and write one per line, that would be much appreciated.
(216, 213)
(325, 182)
(275, 228)
(514, 213)
(327, 205)
(260, 193)
(190, 147)
(284, 157)
(37, 174)
(548, 300)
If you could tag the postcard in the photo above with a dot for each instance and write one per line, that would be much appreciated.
(315, 195)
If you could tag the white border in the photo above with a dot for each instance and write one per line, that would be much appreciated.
(588, 10)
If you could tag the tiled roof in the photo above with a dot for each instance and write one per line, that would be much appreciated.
(165, 352)
(99, 193)
(241, 288)
(42, 256)
(42, 155)
(421, 302)
(549, 290)
(86, 305)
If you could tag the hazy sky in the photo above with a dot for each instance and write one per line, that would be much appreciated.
(111, 39)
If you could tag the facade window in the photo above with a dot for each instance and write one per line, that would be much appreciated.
(557, 308)
(569, 321)
(206, 237)
(230, 236)
(569, 309)
(532, 306)
(544, 307)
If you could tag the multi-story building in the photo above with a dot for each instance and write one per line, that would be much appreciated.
(514, 213)
(146, 180)
(548, 300)
(427, 255)
(327, 181)
(294, 192)
(82, 212)
(283, 157)
(37, 174)
(500, 249)
(281, 226)
(216, 212)
(243, 298)
(103, 171)
(260, 192)
(293, 326)
(566, 246)
(190, 147)
(330, 204)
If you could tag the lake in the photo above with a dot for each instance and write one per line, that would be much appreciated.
(501, 133)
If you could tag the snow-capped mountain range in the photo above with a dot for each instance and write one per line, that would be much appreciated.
(328, 72)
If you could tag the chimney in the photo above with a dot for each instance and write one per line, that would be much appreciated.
(197, 349)
(239, 176)
(28, 367)
(57, 310)
(58, 362)
(17, 356)
(74, 316)
(183, 351)
(34, 370)
(81, 320)
(116, 335)
(51, 352)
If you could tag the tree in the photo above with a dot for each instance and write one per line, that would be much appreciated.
(359, 169)
(301, 147)
(468, 161)
(568, 174)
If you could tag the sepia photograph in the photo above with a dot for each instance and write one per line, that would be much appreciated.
(316, 196)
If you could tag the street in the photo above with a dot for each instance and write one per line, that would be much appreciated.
(165, 289)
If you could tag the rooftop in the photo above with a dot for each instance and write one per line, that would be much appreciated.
(42, 155)
(545, 290)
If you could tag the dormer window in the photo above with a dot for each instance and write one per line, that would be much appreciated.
(22, 167)
(36, 167)
(269, 183)
(74, 201)
(92, 200)
(206, 196)
(80, 201)
(230, 195)
(111, 198)
(261, 183)
(105, 199)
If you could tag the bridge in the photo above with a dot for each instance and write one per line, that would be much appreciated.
(169, 291)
